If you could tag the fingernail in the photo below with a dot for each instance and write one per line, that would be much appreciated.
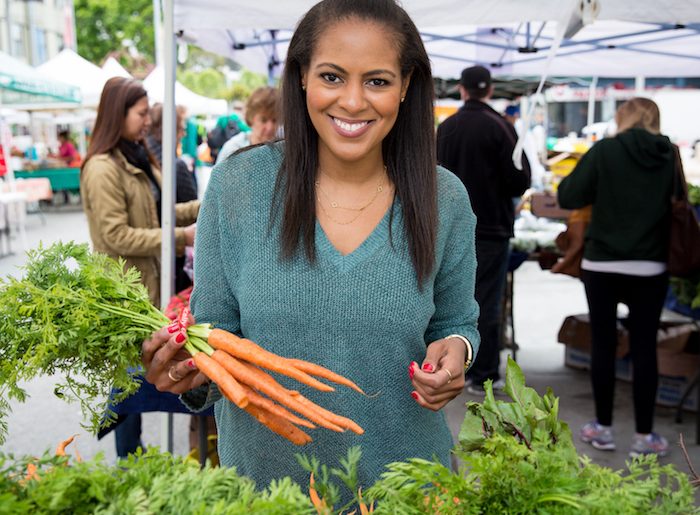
(414, 394)
(428, 367)
(410, 371)
(173, 328)
(180, 338)
(190, 363)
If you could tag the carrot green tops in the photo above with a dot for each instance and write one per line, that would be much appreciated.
(361, 315)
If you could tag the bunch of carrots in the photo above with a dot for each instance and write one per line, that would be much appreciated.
(236, 366)
(83, 317)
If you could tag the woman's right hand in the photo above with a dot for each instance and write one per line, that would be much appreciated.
(168, 366)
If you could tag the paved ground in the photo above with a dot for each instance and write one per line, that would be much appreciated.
(542, 300)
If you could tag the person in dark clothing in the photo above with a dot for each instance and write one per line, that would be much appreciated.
(185, 181)
(476, 144)
(628, 179)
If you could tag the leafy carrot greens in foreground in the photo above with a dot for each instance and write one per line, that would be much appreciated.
(77, 314)
(518, 459)
(83, 316)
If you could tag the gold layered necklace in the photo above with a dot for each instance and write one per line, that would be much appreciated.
(357, 209)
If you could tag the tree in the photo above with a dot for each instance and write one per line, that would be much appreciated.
(103, 26)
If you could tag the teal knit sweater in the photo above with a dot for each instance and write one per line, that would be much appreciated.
(361, 315)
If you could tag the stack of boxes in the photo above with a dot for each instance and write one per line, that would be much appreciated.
(678, 351)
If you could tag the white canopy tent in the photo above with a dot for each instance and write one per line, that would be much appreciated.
(195, 104)
(67, 66)
(628, 39)
(112, 68)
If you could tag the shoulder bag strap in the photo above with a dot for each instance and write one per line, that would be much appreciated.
(680, 187)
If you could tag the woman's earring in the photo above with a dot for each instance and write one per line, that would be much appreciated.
(303, 86)
(402, 99)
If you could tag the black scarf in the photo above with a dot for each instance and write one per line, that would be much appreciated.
(136, 154)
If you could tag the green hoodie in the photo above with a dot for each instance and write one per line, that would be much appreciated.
(628, 179)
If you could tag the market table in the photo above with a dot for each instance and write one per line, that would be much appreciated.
(13, 210)
(61, 179)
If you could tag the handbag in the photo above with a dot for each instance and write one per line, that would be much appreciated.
(571, 242)
(684, 240)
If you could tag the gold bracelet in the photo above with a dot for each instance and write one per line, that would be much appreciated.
(470, 352)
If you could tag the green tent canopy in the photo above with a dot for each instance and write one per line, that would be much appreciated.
(21, 85)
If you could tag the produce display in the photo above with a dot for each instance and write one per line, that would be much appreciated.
(82, 315)
(516, 457)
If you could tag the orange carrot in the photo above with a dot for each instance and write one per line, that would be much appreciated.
(319, 504)
(319, 371)
(61, 449)
(329, 415)
(253, 353)
(265, 383)
(363, 507)
(265, 403)
(31, 472)
(231, 388)
(278, 425)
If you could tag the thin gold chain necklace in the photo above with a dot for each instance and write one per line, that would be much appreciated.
(335, 205)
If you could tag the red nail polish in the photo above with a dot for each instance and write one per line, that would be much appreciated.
(428, 367)
(414, 395)
(411, 371)
(173, 328)
(190, 363)
(180, 338)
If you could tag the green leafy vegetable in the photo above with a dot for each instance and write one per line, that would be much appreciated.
(149, 483)
(518, 458)
(77, 314)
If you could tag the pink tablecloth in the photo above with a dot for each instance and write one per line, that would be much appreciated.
(36, 189)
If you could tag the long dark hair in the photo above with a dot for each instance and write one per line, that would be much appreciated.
(409, 148)
(118, 96)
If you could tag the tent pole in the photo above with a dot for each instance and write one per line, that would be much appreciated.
(590, 119)
(167, 259)
(157, 32)
(639, 85)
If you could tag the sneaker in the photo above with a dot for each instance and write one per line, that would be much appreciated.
(652, 443)
(600, 437)
(478, 389)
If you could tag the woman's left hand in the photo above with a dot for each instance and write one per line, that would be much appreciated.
(440, 378)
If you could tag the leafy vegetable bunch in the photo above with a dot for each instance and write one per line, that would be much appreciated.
(518, 458)
(79, 315)
(151, 483)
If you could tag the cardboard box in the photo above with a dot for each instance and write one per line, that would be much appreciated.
(671, 391)
(547, 206)
(581, 359)
(677, 364)
(672, 336)
(575, 332)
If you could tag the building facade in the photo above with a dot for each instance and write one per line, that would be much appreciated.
(36, 30)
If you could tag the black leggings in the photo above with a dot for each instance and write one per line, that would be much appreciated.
(644, 296)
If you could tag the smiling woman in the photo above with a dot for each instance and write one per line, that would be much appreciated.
(344, 245)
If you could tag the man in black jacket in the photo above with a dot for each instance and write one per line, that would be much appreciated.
(477, 144)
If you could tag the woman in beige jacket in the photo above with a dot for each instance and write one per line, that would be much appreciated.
(120, 187)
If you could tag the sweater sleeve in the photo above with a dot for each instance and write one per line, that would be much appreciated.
(456, 310)
(213, 300)
(578, 189)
